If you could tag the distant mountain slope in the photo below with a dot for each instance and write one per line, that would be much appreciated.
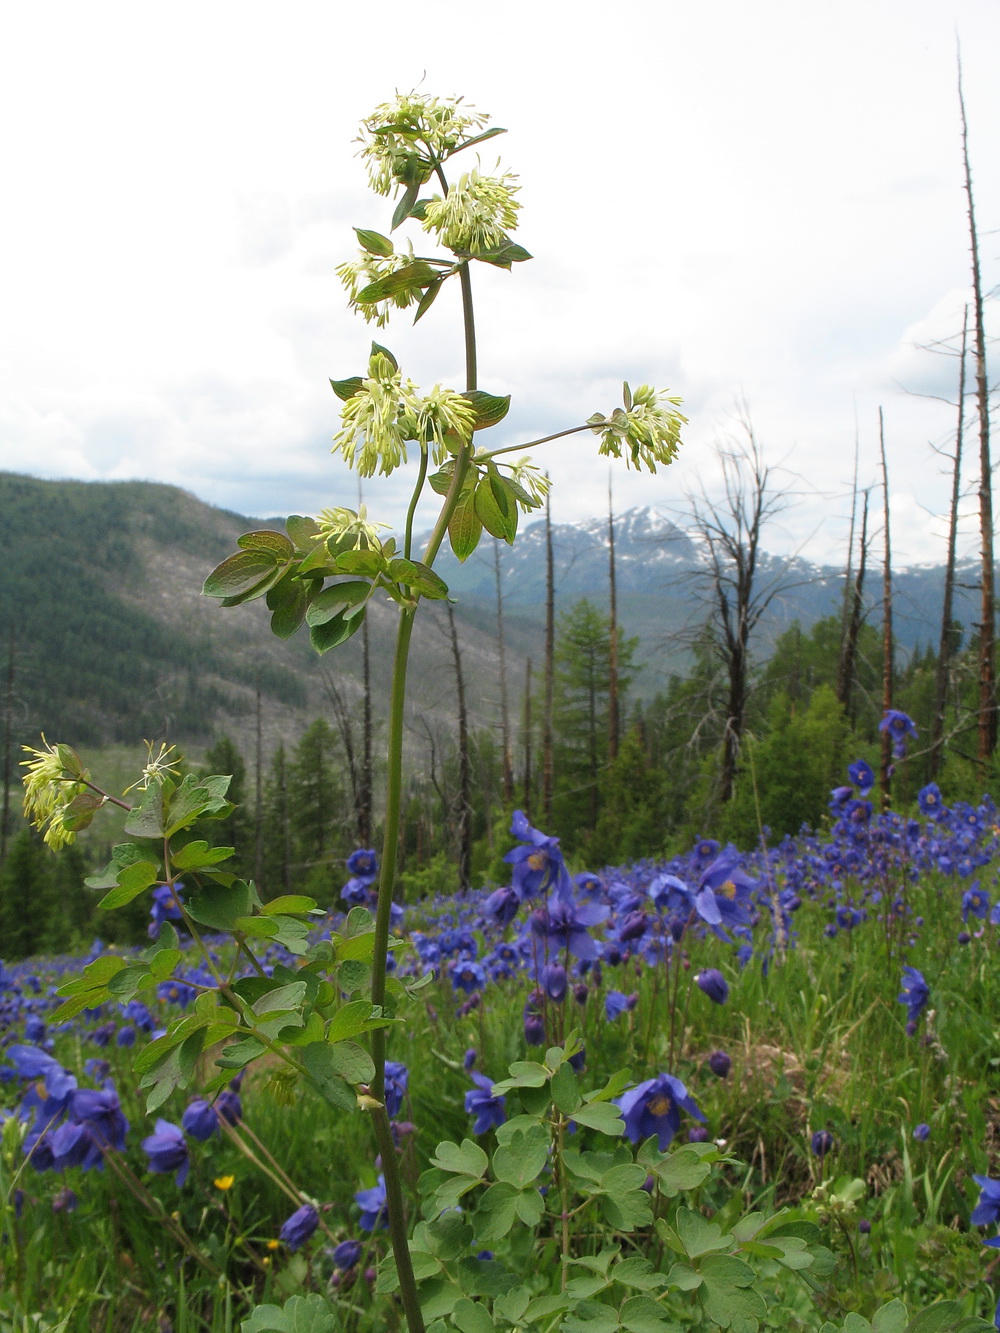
(100, 587)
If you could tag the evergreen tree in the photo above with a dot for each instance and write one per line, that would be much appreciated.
(237, 829)
(789, 773)
(276, 878)
(318, 810)
(26, 897)
(632, 821)
(580, 713)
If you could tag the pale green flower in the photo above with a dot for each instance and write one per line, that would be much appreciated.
(159, 766)
(476, 214)
(648, 428)
(526, 475)
(345, 522)
(356, 274)
(374, 420)
(392, 136)
(54, 779)
(443, 412)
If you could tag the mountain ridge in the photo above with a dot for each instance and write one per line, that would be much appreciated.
(100, 592)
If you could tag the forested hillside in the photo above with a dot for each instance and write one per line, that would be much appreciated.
(617, 734)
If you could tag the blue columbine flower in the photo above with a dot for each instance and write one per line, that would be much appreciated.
(861, 775)
(914, 995)
(534, 1022)
(299, 1227)
(654, 1107)
(821, 1143)
(975, 903)
(502, 906)
(397, 1080)
(480, 1102)
(363, 864)
(719, 1063)
(714, 984)
(930, 802)
(228, 1106)
(538, 863)
(467, 975)
(346, 1254)
(199, 1120)
(567, 925)
(987, 1210)
(167, 1151)
(372, 1203)
(900, 727)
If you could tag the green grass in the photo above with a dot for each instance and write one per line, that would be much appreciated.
(817, 1042)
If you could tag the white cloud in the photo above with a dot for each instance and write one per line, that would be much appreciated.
(727, 200)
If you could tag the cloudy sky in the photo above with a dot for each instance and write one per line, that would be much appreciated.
(746, 203)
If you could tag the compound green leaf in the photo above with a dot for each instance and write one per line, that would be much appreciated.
(465, 527)
(467, 1160)
(220, 906)
(269, 542)
(374, 242)
(132, 881)
(300, 1314)
(640, 1314)
(522, 1158)
(241, 573)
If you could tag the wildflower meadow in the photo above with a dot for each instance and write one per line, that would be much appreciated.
(729, 1088)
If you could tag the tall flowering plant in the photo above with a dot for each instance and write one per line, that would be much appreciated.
(326, 1021)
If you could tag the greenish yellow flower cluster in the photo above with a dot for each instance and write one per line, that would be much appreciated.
(387, 410)
(346, 523)
(391, 134)
(525, 474)
(476, 214)
(55, 778)
(157, 767)
(647, 430)
(356, 274)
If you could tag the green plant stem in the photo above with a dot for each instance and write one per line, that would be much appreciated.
(408, 538)
(383, 913)
(390, 843)
(397, 1220)
(471, 366)
(530, 444)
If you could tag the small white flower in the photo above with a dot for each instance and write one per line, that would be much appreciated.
(393, 136)
(476, 214)
(648, 430)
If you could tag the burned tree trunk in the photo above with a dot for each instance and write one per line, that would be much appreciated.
(550, 642)
(885, 765)
(527, 740)
(849, 649)
(8, 736)
(947, 645)
(508, 769)
(730, 530)
(463, 822)
(987, 615)
(613, 722)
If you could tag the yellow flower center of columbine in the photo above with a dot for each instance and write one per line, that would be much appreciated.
(728, 890)
(660, 1105)
(537, 860)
